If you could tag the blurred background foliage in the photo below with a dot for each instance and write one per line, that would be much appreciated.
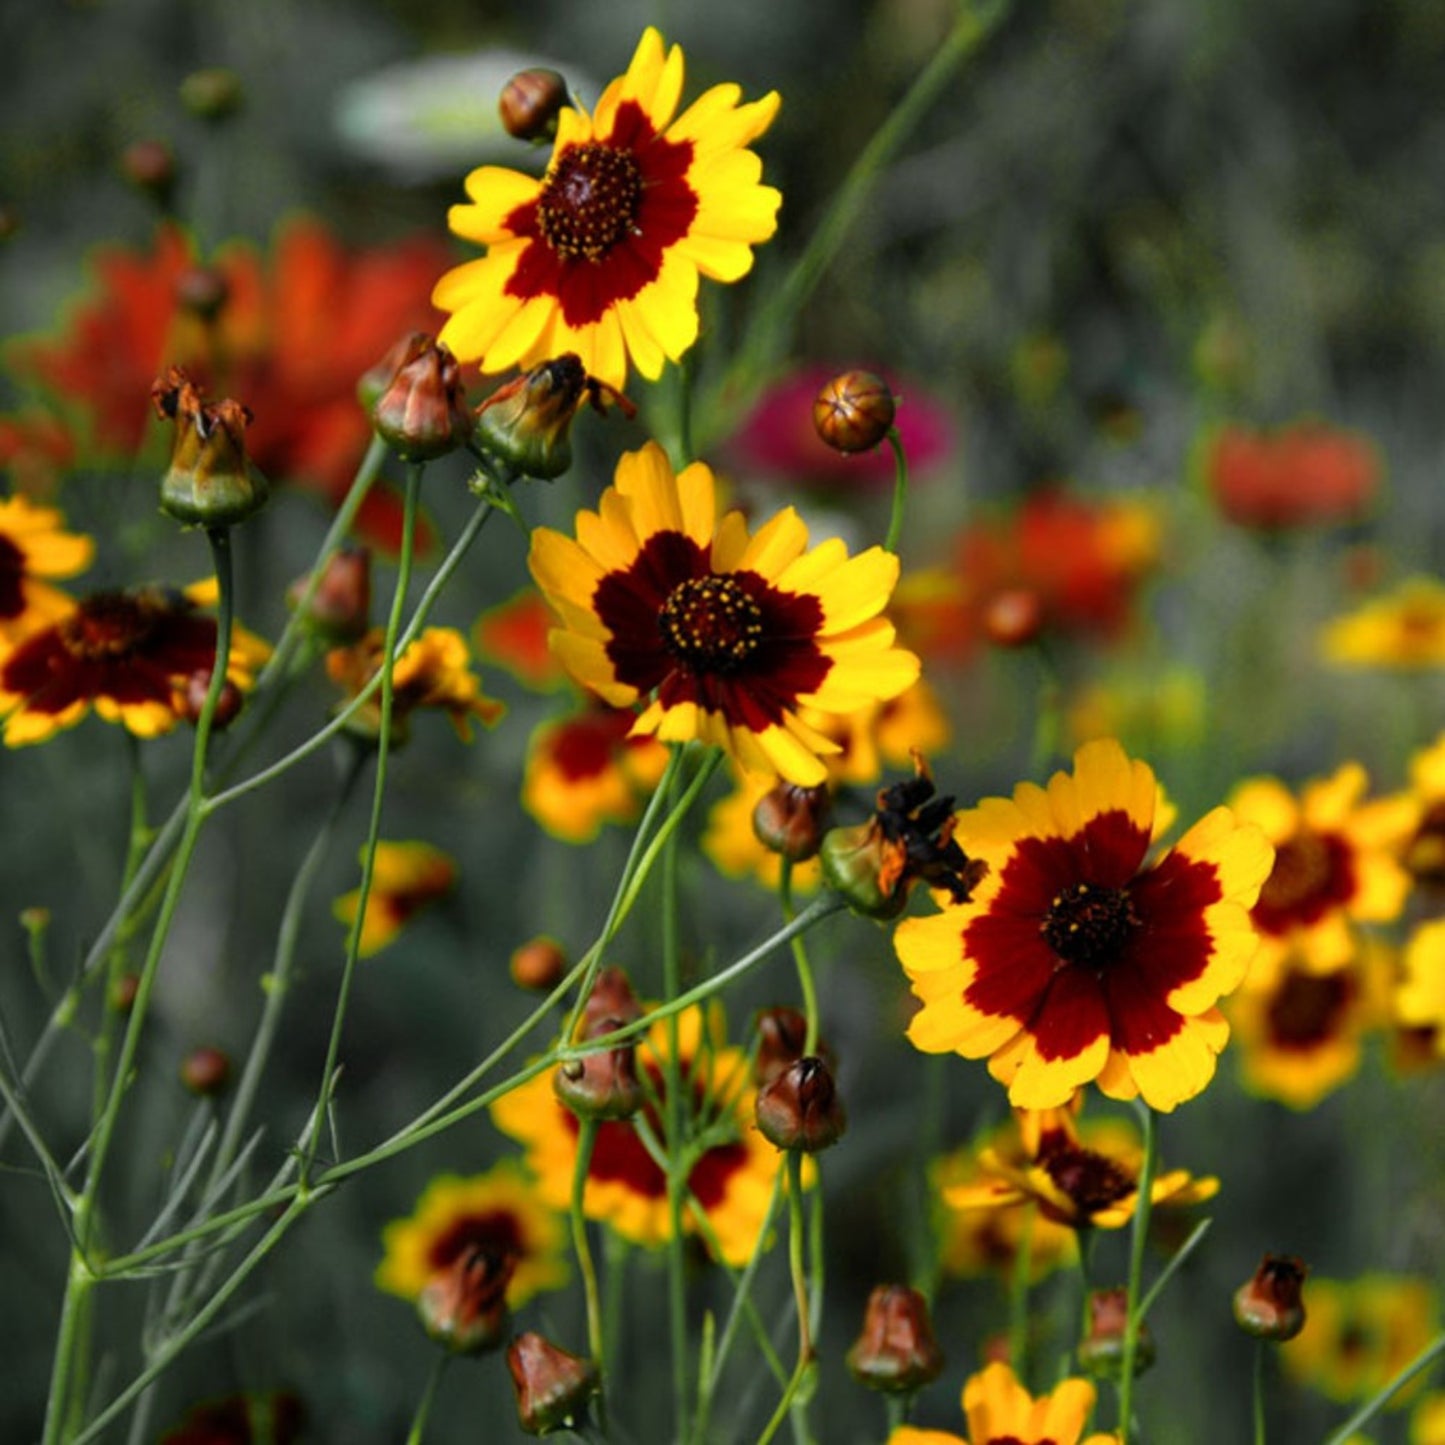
(1123, 224)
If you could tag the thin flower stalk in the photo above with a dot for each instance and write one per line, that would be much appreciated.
(900, 491)
(799, 1275)
(586, 1140)
(417, 1432)
(800, 959)
(1137, 1240)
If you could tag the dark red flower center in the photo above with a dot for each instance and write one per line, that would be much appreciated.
(108, 625)
(1425, 857)
(1312, 873)
(1308, 1008)
(589, 202)
(1088, 924)
(495, 1234)
(710, 624)
(12, 573)
(1092, 1181)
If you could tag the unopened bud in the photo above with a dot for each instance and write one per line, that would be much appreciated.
(422, 413)
(539, 964)
(123, 992)
(864, 865)
(529, 104)
(210, 481)
(553, 1387)
(196, 689)
(854, 412)
(1013, 617)
(464, 1305)
(1101, 1351)
(782, 1040)
(376, 378)
(603, 1085)
(206, 1071)
(203, 291)
(150, 166)
(1270, 1306)
(340, 607)
(214, 94)
(897, 1351)
(801, 1109)
(790, 820)
(611, 997)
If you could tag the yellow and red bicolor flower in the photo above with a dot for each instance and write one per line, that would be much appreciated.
(602, 255)
(405, 877)
(34, 545)
(730, 635)
(1403, 629)
(1076, 960)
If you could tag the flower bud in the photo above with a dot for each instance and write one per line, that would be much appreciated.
(210, 481)
(203, 291)
(1269, 1306)
(854, 412)
(464, 1305)
(782, 1036)
(857, 862)
(528, 422)
(214, 94)
(194, 692)
(897, 1351)
(206, 1071)
(790, 820)
(552, 1387)
(529, 103)
(1013, 617)
(801, 1109)
(123, 992)
(340, 608)
(611, 997)
(602, 1085)
(1101, 1351)
(422, 412)
(373, 382)
(150, 166)
(539, 964)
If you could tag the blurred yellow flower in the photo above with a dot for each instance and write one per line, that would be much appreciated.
(405, 878)
(1404, 629)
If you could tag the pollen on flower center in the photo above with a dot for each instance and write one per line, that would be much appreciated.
(1087, 924)
(1091, 1180)
(109, 624)
(589, 202)
(710, 623)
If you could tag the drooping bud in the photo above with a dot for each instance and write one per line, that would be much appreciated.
(790, 820)
(539, 964)
(210, 481)
(340, 607)
(150, 166)
(801, 1109)
(530, 102)
(215, 94)
(782, 1038)
(1101, 1351)
(611, 997)
(1013, 617)
(854, 412)
(603, 1085)
(897, 1351)
(203, 291)
(193, 695)
(553, 1387)
(422, 412)
(464, 1305)
(206, 1071)
(1270, 1306)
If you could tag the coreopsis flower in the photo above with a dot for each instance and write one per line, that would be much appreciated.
(1420, 815)
(296, 328)
(433, 672)
(1419, 999)
(498, 1213)
(1334, 866)
(1306, 474)
(513, 634)
(602, 255)
(1077, 960)
(129, 655)
(1298, 1032)
(1427, 1420)
(732, 1176)
(35, 546)
(729, 635)
(586, 769)
(1079, 1176)
(252, 1419)
(404, 878)
(1404, 630)
(1000, 1411)
(1359, 1334)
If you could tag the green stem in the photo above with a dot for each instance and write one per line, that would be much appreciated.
(1382, 1397)
(586, 1141)
(799, 1275)
(1196, 1238)
(1138, 1238)
(674, 1133)
(1259, 1353)
(900, 491)
(373, 833)
(1018, 1299)
(423, 1409)
(800, 961)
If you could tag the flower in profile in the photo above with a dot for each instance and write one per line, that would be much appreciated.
(1359, 1334)
(1334, 866)
(735, 634)
(1078, 1176)
(252, 1419)
(1306, 474)
(404, 879)
(1419, 999)
(585, 769)
(433, 672)
(35, 546)
(731, 1181)
(499, 1213)
(126, 654)
(602, 255)
(1404, 630)
(1000, 1411)
(1075, 961)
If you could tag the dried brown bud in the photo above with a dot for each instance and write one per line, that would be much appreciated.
(539, 964)
(214, 94)
(603, 1085)
(854, 412)
(1101, 1351)
(340, 608)
(897, 1351)
(782, 1039)
(210, 481)
(150, 166)
(193, 700)
(203, 291)
(206, 1071)
(464, 1305)
(552, 1387)
(422, 413)
(611, 997)
(791, 820)
(801, 1109)
(529, 103)
(1013, 617)
(1270, 1306)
